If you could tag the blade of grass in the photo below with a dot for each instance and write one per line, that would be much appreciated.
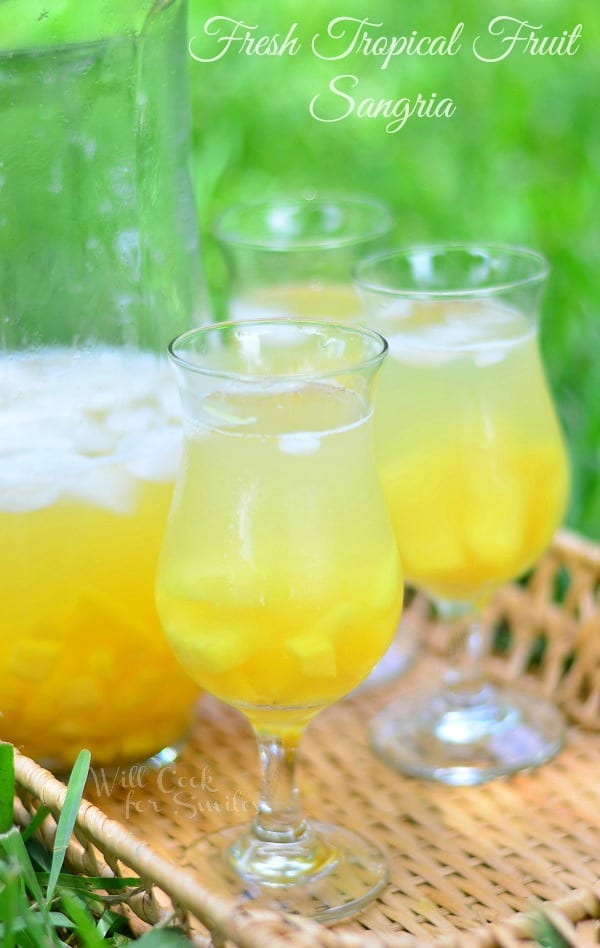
(60, 920)
(83, 920)
(9, 899)
(30, 934)
(41, 859)
(546, 935)
(35, 822)
(67, 818)
(7, 786)
(20, 924)
(14, 849)
(112, 923)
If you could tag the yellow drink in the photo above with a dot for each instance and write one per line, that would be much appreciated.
(279, 586)
(337, 302)
(89, 448)
(474, 470)
(470, 455)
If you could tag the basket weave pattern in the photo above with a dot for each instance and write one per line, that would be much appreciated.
(469, 866)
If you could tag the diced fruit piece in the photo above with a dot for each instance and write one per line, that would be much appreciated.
(33, 659)
(79, 696)
(385, 592)
(334, 622)
(316, 654)
(205, 643)
(494, 517)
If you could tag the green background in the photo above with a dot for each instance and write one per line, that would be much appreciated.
(518, 162)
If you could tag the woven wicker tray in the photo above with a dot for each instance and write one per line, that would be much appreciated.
(470, 866)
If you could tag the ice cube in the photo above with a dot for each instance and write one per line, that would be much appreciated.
(62, 409)
(285, 335)
(299, 443)
(106, 486)
(399, 309)
(489, 355)
(152, 455)
(406, 348)
(124, 420)
(249, 343)
(24, 434)
(25, 485)
(93, 439)
(242, 310)
(170, 403)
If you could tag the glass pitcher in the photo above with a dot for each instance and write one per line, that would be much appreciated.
(99, 269)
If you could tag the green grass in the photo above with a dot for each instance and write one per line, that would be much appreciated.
(44, 906)
(518, 162)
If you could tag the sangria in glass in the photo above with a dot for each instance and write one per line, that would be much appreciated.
(474, 470)
(279, 583)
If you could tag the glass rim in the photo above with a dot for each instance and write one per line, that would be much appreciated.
(362, 331)
(499, 286)
(266, 242)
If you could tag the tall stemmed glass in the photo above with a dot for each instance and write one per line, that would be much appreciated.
(293, 257)
(474, 470)
(279, 582)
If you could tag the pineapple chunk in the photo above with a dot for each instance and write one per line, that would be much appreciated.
(316, 654)
(213, 649)
(33, 659)
(495, 518)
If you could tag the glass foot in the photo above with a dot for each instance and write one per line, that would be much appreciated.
(165, 756)
(347, 873)
(463, 743)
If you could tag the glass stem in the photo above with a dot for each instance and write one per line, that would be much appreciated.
(464, 678)
(279, 818)
(281, 847)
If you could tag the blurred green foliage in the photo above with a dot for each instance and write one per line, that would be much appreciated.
(518, 162)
